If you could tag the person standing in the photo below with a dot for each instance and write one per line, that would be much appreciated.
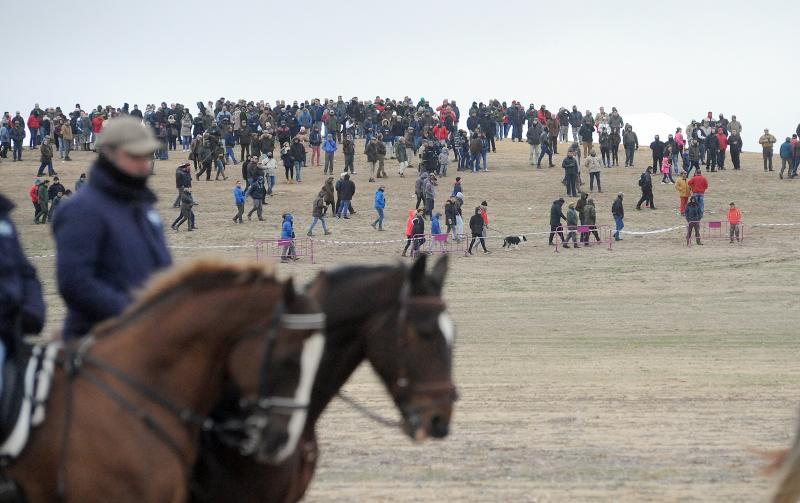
(329, 147)
(767, 141)
(694, 214)
(270, 168)
(299, 157)
(372, 157)
(699, 185)
(735, 143)
(238, 199)
(476, 228)
(18, 138)
(618, 212)
(722, 146)
(315, 140)
(287, 239)
(109, 237)
(401, 155)
(349, 151)
(590, 220)
(318, 213)
(534, 135)
(429, 194)
(43, 202)
(67, 137)
(46, 160)
(682, 186)
(786, 157)
(570, 166)
(409, 229)
(594, 167)
(330, 198)
(417, 232)
(734, 222)
(631, 143)
(657, 148)
(379, 205)
(556, 216)
(346, 192)
(572, 226)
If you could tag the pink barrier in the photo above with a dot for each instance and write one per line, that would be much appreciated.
(277, 248)
(603, 231)
(439, 243)
(714, 229)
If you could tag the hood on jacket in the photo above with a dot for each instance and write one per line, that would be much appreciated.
(287, 217)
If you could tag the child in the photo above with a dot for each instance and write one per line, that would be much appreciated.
(287, 239)
(457, 187)
(221, 167)
(436, 234)
(665, 169)
(734, 222)
(572, 226)
(444, 159)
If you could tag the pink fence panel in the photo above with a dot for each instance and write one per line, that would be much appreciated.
(296, 248)
(438, 243)
(585, 235)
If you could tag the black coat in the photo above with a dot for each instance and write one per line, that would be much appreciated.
(556, 215)
(476, 224)
(20, 290)
(347, 190)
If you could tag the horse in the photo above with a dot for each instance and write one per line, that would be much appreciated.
(787, 461)
(130, 400)
(392, 316)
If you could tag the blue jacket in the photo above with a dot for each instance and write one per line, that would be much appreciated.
(109, 240)
(286, 228)
(380, 200)
(5, 135)
(305, 119)
(786, 150)
(329, 146)
(238, 195)
(435, 227)
(230, 139)
(20, 290)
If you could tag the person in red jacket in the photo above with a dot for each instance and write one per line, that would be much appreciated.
(722, 139)
(34, 195)
(699, 185)
(97, 126)
(33, 126)
(440, 132)
(734, 222)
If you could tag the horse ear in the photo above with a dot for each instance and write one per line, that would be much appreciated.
(417, 272)
(439, 272)
(289, 293)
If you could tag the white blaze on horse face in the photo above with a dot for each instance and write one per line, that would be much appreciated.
(447, 327)
(309, 363)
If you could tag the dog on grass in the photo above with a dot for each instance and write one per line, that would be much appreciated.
(514, 241)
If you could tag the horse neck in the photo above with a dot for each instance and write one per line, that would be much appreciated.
(186, 343)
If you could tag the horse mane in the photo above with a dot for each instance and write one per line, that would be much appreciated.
(197, 276)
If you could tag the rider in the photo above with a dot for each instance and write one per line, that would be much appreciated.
(109, 237)
(21, 302)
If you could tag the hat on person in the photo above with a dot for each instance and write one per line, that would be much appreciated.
(38, 181)
(128, 134)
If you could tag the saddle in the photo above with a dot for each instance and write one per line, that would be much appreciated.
(27, 378)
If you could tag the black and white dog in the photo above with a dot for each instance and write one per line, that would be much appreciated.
(514, 241)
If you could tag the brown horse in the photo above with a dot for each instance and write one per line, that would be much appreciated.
(129, 403)
(787, 462)
(393, 317)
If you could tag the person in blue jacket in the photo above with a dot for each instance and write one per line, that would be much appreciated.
(287, 238)
(380, 204)
(786, 157)
(239, 199)
(21, 303)
(329, 147)
(109, 237)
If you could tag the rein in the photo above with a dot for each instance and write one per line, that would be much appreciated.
(77, 363)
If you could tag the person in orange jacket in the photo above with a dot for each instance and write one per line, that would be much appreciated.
(734, 222)
(409, 229)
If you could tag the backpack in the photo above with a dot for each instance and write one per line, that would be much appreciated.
(641, 180)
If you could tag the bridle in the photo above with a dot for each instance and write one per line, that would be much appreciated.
(244, 434)
(402, 389)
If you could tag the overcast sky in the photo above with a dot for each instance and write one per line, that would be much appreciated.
(684, 58)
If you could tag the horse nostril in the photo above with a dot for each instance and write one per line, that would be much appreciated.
(439, 427)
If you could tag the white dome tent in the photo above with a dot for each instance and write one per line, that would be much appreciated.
(646, 126)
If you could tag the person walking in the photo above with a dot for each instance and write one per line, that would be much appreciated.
(556, 216)
(699, 185)
(318, 211)
(693, 216)
(330, 198)
(594, 166)
(785, 154)
(618, 212)
(346, 193)
(379, 204)
(43, 202)
(46, 158)
(409, 229)
(476, 229)
(646, 184)
(329, 147)
(183, 179)
(417, 232)
(287, 239)
(372, 157)
(734, 222)
(238, 199)
(767, 141)
(256, 192)
(572, 226)
(401, 154)
(109, 237)
(735, 144)
(187, 203)
(590, 220)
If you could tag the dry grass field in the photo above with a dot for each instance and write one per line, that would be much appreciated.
(645, 373)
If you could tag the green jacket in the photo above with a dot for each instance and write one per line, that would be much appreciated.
(44, 195)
